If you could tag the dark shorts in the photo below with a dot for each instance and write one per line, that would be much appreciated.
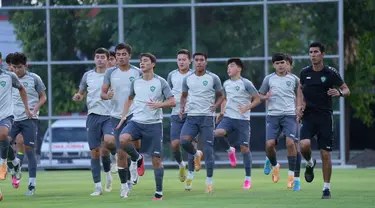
(241, 127)
(97, 126)
(281, 124)
(115, 122)
(176, 126)
(29, 130)
(319, 125)
(202, 125)
(150, 134)
(7, 122)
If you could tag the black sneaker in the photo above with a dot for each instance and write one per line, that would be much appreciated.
(326, 194)
(309, 172)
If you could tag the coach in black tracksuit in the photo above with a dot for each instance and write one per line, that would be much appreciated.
(319, 83)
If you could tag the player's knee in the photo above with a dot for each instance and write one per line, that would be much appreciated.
(305, 144)
(95, 153)
(220, 133)
(104, 151)
(270, 144)
(325, 155)
(125, 140)
(290, 144)
(244, 148)
(4, 133)
(175, 144)
(109, 141)
(156, 162)
(19, 139)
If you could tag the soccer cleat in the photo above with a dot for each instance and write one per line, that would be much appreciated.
(189, 184)
(290, 182)
(124, 193)
(275, 173)
(98, 191)
(297, 185)
(157, 197)
(108, 186)
(114, 168)
(141, 166)
(326, 194)
(3, 171)
(182, 173)
(247, 184)
(267, 167)
(232, 157)
(134, 177)
(1, 196)
(309, 172)
(30, 191)
(15, 182)
(209, 188)
(197, 161)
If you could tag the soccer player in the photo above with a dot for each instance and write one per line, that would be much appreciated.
(98, 121)
(319, 83)
(280, 88)
(36, 93)
(116, 88)
(7, 81)
(8, 59)
(198, 101)
(241, 97)
(175, 79)
(148, 94)
(296, 174)
(112, 59)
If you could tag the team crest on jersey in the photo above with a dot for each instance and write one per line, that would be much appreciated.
(152, 88)
(205, 82)
(237, 88)
(131, 79)
(25, 84)
(288, 83)
(3, 83)
(323, 78)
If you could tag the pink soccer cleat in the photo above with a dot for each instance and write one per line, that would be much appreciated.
(247, 184)
(232, 157)
(15, 182)
(157, 199)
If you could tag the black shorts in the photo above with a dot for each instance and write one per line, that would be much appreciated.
(319, 125)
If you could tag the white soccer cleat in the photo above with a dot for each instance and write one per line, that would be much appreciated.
(98, 191)
(114, 168)
(189, 184)
(124, 193)
(108, 186)
(134, 177)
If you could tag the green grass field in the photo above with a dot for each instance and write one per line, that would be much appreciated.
(350, 188)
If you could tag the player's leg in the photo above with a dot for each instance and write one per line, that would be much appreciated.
(325, 142)
(14, 164)
(5, 128)
(289, 126)
(127, 135)
(272, 133)
(222, 132)
(153, 134)
(297, 181)
(175, 131)
(207, 125)
(308, 131)
(242, 128)
(94, 135)
(20, 148)
(140, 162)
(109, 145)
(189, 132)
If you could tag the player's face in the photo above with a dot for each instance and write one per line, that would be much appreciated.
(233, 70)
(122, 57)
(200, 63)
(101, 60)
(10, 68)
(112, 61)
(280, 66)
(288, 67)
(19, 69)
(183, 61)
(146, 64)
(316, 56)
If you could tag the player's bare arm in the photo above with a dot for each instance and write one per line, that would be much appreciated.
(183, 101)
(256, 100)
(42, 101)
(23, 95)
(79, 95)
(106, 94)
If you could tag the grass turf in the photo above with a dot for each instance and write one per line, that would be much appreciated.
(350, 188)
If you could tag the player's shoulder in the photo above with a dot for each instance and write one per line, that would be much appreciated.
(331, 70)
(273, 74)
(33, 75)
(161, 79)
(173, 72)
(306, 69)
(293, 76)
(213, 75)
(110, 70)
(246, 82)
(8, 73)
(134, 68)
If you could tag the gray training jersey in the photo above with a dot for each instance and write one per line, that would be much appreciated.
(201, 93)
(92, 82)
(175, 79)
(284, 90)
(120, 82)
(7, 81)
(34, 86)
(238, 93)
(144, 91)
